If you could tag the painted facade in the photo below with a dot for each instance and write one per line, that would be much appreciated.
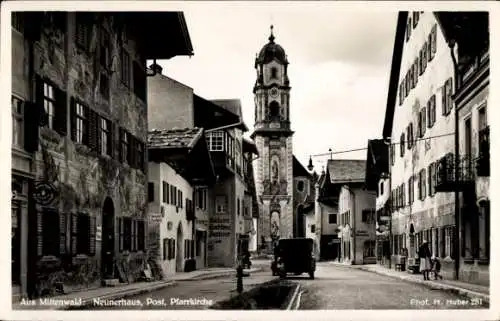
(85, 134)
(421, 134)
(273, 138)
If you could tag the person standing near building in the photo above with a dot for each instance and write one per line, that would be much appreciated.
(424, 254)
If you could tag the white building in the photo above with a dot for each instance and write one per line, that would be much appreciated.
(178, 162)
(420, 122)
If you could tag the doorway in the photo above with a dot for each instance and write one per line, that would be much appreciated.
(108, 239)
(179, 259)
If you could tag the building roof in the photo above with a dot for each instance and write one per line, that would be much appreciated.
(298, 169)
(233, 106)
(249, 146)
(271, 51)
(174, 138)
(346, 170)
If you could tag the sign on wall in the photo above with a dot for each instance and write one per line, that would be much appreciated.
(98, 233)
(155, 218)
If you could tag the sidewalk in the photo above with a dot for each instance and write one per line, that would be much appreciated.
(85, 298)
(472, 291)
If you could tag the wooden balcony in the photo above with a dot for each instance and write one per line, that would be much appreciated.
(449, 176)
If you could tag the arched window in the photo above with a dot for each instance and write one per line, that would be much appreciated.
(300, 186)
(274, 110)
(274, 72)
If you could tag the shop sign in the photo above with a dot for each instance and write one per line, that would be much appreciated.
(155, 218)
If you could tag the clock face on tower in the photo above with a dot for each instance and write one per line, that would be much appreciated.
(274, 93)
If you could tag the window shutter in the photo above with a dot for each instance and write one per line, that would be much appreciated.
(120, 228)
(433, 99)
(173, 248)
(31, 123)
(62, 233)
(449, 92)
(72, 119)
(424, 120)
(39, 233)
(443, 99)
(134, 236)
(74, 233)
(403, 191)
(92, 238)
(400, 95)
(429, 179)
(92, 129)
(419, 61)
(424, 184)
(60, 113)
(434, 40)
(425, 56)
(97, 129)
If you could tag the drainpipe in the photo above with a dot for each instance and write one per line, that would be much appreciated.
(456, 235)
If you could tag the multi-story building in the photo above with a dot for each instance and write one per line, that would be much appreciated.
(178, 162)
(328, 226)
(467, 174)
(377, 179)
(420, 122)
(273, 137)
(219, 209)
(80, 108)
(356, 211)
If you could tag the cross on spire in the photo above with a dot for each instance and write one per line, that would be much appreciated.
(271, 37)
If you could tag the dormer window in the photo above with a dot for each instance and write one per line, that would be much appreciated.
(274, 73)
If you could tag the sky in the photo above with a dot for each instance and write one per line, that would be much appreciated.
(339, 68)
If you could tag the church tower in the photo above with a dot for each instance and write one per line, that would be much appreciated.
(273, 138)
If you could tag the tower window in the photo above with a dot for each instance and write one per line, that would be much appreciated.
(274, 110)
(274, 73)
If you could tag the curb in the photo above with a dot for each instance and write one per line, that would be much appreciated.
(443, 287)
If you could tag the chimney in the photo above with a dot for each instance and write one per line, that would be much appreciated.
(156, 68)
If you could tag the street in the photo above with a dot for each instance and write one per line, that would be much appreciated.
(335, 287)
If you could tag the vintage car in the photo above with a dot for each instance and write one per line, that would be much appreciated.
(295, 256)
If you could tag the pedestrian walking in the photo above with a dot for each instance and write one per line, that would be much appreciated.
(424, 254)
(436, 268)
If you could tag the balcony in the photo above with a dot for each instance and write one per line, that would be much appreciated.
(473, 66)
(483, 161)
(449, 176)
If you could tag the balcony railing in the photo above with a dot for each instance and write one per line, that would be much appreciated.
(483, 161)
(449, 176)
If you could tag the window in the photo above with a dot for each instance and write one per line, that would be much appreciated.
(124, 141)
(173, 195)
(403, 195)
(411, 193)
(482, 120)
(421, 62)
(274, 73)
(409, 134)
(408, 83)
(238, 206)
(431, 178)
(415, 72)
(300, 186)
(105, 52)
(215, 141)
(402, 145)
(201, 198)
(332, 218)
(49, 101)
(401, 94)
(313, 228)
(425, 54)
(431, 111)
(412, 76)
(165, 191)
(127, 234)
(151, 192)
(125, 67)
(81, 124)
(49, 227)
(424, 183)
(220, 204)
(141, 235)
(433, 42)
(18, 21)
(449, 242)
(104, 86)
(83, 235)
(82, 33)
(447, 103)
(166, 244)
(179, 199)
(17, 122)
(381, 188)
(369, 249)
(408, 29)
(393, 153)
(368, 216)
(106, 137)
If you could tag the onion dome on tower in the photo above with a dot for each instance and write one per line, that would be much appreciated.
(271, 51)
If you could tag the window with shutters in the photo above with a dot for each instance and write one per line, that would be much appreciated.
(125, 67)
(141, 235)
(104, 86)
(393, 153)
(423, 113)
(17, 122)
(151, 192)
(127, 234)
(424, 183)
(447, 102)
(173, 195)
(424, 56)
(106, 137)
(408, 83)
(105, 54)
(83, 234)
(415, 71)
(166, 244)
(408, 29)
(401, 96)
(220, 204)
(420, 62)
(402, 145)
(165, 191)
(403, 194)
(82, 31)
(409, 134)
(431, 111)
(49, 102)
(431, 178)
(180, 199)
(124, 141)
(81, 124)
(50, 229)
(238, 206)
